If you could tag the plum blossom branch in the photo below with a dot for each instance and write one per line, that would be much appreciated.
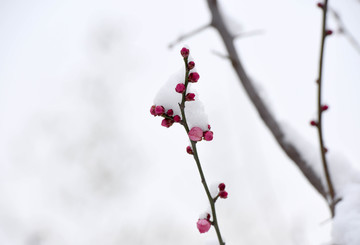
(321, 108)
(195, 134)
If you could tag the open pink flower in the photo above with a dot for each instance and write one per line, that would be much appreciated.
(208, 135)
(195, 134)
(203, 225)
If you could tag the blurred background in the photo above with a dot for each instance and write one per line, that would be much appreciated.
(82, 161)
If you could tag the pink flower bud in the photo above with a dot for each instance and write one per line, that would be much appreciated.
(203, 225)
(208, 216)
(221, 186)
(167, 123)
(328, 32)
(177, 118)
(170, 112)
(191, 65)
(152, 110)
(209, 127)
(324, 107)
(190, 97)
(189, 150)
(313, 123)
(159, 110)
(208, 135)
(184, 52)
(195, 134)
(180, 88)
(223, 194)
(194, 77)
(320, 5)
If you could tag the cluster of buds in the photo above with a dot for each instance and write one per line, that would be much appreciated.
(204, 225)
(169, 117)
(222, 193)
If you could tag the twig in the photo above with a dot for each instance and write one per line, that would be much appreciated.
(217, 53)
(288, 147)
(197, 160)
(249, 33)
(343, 30)
(325, 33)
(187, 35)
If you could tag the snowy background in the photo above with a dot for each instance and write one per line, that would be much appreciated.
(82, 161)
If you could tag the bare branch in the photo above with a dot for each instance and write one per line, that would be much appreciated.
(223, 56)
(187, 35)
(324, 33)
(288, 147)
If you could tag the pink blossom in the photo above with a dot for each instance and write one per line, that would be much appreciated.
(180, 88)
(221, 186)
(167, 123)
(223, 194)
(191, 65)
(152, 110)
(177, 118)
(190, 97)
(203, 225)
(189, 150)
(184, 52)
(159, 110)
(195, 134)
(208, 135)
(170, 112)
(194, 77)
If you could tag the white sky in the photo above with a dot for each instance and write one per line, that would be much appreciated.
(83, 162)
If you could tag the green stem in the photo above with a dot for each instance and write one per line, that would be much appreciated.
(196, 157)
